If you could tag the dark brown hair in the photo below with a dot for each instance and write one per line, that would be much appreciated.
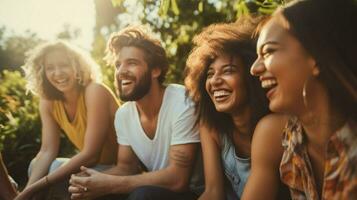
(328, 31)
(233, 39)
(137, 36)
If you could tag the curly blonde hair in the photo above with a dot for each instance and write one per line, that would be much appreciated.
(85, 68)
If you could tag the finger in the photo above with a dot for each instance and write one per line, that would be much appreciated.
(77, 196)
(82, 174)
(80, 195)
(73, 189)
(78, 181)
(71, 183)
(88, 170)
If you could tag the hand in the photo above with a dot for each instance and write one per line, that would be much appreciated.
(89, 184)
(26, 194)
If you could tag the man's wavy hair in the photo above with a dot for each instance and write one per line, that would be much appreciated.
(232, 39)
(138, 36)
(86, 70)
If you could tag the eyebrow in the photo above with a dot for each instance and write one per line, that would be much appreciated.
(126, 60)
(267, 43)
(225, 65)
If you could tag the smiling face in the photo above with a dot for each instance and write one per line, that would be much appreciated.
(132, 74)
(225, 84)
(283, 66)
(59, 72)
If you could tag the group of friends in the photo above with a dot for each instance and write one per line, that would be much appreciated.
(267, 111)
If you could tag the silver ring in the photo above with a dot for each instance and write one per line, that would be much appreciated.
(85, 189)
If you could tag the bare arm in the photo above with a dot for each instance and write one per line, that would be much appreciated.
(98, 122)
(7, 191)
(49, 143)
(127, 163)
(264, 180)
(214, 184)
(175, 176)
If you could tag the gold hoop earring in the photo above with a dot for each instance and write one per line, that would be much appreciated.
(304, 91)
(314, 120)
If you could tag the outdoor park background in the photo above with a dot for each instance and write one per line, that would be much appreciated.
(89, 26)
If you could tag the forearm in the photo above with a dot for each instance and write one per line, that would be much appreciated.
(7, 189)
(63, 172)
(165, 178)
(122, 170)
(40, 166)
(71, 167)
(212, 194)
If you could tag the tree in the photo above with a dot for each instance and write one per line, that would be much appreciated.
(176, 22)
(13, 49)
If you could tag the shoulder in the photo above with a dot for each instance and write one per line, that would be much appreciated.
(96, 89)
(176, 89)
(207, 132)
(46, 105)
(271, 125)
(267, 138)
(99, 93)
(176, 95)
(124, 110)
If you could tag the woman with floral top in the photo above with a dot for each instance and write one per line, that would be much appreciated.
(307, 64)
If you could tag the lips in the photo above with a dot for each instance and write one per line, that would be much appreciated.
(61, 82)
(126, 82)
(269, 85)
(221, 95)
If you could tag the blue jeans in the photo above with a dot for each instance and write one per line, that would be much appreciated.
(152, 193)
(60, 190)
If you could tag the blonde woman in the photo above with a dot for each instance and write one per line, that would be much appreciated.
(72, 99)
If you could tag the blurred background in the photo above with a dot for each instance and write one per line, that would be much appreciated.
(88, 24)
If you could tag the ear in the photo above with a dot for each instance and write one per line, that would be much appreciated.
(315, 67)
(155, 72)
(315, 70)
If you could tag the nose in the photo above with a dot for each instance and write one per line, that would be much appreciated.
(57, 70)
(257, 68)
(121, 70)
(216, 79)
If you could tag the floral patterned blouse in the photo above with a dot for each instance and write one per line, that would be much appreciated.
(340, 175)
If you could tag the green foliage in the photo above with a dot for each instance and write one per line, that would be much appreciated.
(13, 48)
(19, 123)
(17, 110)
(177, 21)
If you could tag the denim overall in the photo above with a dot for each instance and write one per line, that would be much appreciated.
(236, 169)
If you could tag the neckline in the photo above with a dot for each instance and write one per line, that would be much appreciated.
(158, 118)
(76, 111)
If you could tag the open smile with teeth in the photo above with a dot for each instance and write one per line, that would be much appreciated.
(61, 81)
(126, 82)
(220, 95)
(267, 84)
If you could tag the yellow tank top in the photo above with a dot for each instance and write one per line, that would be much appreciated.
(76, 129)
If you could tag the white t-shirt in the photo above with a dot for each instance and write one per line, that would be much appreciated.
(175, 126)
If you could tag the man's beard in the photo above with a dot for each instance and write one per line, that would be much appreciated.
(141, 88)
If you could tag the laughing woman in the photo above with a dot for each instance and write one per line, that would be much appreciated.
(72, 100)
(239, 139)
(308, 50)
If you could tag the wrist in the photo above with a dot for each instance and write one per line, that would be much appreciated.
(117, 184)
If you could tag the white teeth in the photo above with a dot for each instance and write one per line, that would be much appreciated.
(125, 82)
(220, 93)
(269, 83)
(61, 81)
